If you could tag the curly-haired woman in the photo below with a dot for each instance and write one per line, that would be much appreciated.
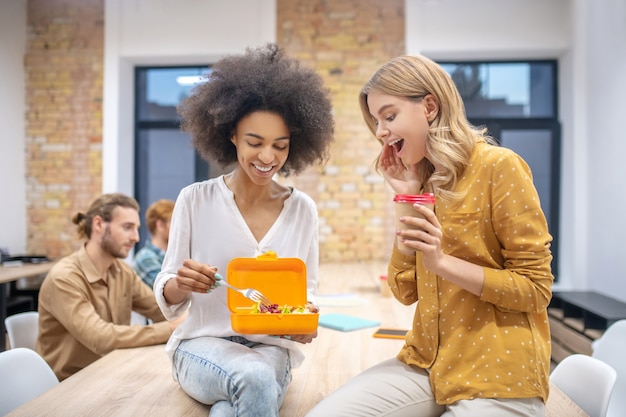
(263, 114)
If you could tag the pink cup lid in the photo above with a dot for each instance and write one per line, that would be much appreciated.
(427, 198)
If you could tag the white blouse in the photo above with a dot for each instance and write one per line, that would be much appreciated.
(207, 226)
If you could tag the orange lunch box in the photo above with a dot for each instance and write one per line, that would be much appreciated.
(283, 281)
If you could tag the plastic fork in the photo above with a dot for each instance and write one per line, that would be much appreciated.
(250, 293)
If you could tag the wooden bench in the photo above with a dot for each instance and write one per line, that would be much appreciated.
(594, 310)
(577, 318)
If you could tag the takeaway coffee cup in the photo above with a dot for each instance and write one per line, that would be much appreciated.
(385, 291)
(404, 207)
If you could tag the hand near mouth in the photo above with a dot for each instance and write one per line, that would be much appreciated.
(402, 179)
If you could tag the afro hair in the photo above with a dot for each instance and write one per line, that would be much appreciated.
(262, 79)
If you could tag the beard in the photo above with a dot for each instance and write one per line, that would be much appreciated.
(110, 246)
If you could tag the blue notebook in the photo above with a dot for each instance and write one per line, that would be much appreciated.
(344, 322)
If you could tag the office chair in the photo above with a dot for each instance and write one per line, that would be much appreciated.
(23, 376)
(23, 329)
(609, 348)
(587, 381)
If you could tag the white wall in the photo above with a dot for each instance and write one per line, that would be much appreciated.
(165, 32)
(12, 121)
(574, 89)
(487, 29)
(606, 146)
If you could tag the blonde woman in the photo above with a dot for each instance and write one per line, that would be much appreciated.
(479, 343)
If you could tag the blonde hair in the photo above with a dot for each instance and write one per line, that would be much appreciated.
(451, 137)
(159, 210)
(102, 206)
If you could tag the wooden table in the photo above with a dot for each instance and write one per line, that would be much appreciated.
(560, 405)
(13, 273)
(126, 382)
(138, 382)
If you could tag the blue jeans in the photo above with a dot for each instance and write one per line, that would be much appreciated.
(238, 378)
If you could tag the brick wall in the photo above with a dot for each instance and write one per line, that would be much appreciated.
(64, 67)
(345, 40)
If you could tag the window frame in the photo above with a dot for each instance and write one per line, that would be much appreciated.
(201, 167)
(495, 125)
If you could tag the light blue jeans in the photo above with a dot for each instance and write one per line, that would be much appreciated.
(238, 378)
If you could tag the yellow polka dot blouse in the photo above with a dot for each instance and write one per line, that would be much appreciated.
(496, 345)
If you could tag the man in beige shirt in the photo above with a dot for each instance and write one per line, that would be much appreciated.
(86, 300)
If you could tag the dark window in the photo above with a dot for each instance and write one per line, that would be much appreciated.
(165, 160)
(517, 102)
(519, 90)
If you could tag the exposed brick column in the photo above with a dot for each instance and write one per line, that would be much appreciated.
(64, 72)
(346, 41)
